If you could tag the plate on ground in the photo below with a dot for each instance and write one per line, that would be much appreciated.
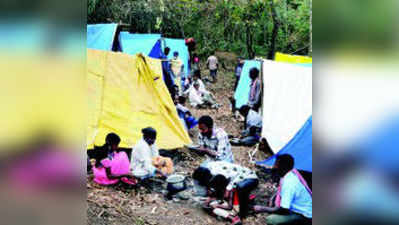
(193, 147)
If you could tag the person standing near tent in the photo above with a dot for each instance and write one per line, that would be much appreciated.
(143, 154)
(195, 66)
(255, 90)
(293, 202)
(214, 141)
(213, 65)
(177, 68)
(166, 69)
(237, 72)
(252, 126)
(190, 43)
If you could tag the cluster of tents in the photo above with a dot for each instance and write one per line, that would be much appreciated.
(286, 105)
(127, 93)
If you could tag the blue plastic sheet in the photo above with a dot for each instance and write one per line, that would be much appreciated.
(101, 36)
(379, 149)
(300, 147)
(242, 92)
(156, 51)
(178, 45)
(138, 43)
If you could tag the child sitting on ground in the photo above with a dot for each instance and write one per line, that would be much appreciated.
(185, 114)
(113, 166)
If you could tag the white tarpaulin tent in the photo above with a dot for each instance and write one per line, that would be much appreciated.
(287, 101)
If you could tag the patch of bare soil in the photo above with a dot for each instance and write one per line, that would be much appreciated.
(148, 206)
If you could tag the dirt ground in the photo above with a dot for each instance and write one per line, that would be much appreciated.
(117, 205)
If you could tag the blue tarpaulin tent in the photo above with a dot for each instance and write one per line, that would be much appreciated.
(101, 36)
(148, 44)
(300, 147)
(242, 92)
(179, 45)
(379, 149)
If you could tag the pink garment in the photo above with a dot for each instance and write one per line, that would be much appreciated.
(119, 164)
(100, 176)
(253, 88)
(301, 179)
(49, 166)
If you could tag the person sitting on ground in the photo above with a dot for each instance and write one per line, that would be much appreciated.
(252, 126)
(293, 202)
(214, 141)
(227, 181)
(201, 99)
(254, 99)
(197, 79)
(143, 154)
(115, 166)
(185, 114)
(213, 65)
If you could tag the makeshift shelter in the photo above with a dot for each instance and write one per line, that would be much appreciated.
(295, 59)
(287, 110)
(147, 44)
(101, 36)
(241, 94)
(300, 147)
(126, 94)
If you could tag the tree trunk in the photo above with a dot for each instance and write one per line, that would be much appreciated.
(276, 25)
(249, 41)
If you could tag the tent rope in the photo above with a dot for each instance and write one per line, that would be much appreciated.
(307, 46)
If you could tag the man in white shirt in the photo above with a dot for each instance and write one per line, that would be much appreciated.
(293, 203)
(201, 98)
(213, 66)
(143, 153)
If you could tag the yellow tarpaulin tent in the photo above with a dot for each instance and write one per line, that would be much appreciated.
(127, 93)
(280, 57)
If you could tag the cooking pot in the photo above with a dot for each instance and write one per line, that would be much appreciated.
(176, 183)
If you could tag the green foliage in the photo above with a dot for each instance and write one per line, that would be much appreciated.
(240, 26)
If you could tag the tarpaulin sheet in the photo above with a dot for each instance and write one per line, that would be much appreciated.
(280, 57)
(101, 36)
(178, 45)
(287, 101)
(242, 92)
(138, 43)
(379, 148)
(300, 147)
(127, 94)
